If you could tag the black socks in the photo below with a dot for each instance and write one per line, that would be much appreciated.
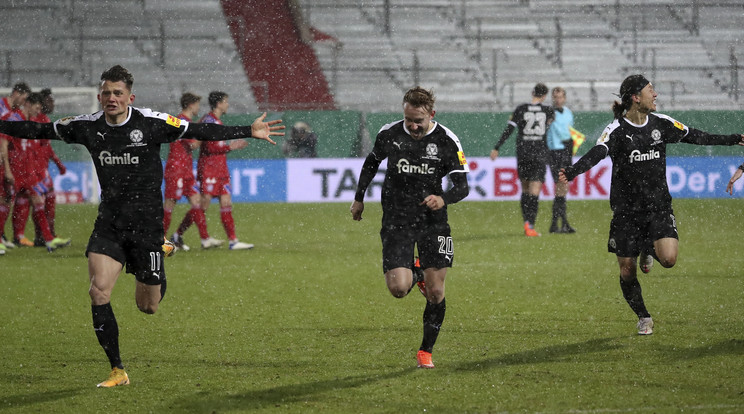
(107, 331)
(433, 318)
(632, 293)
(559, 209)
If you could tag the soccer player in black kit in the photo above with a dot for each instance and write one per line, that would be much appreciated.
(643, 222)
(420, 153)
(532, 120)
(124, 143)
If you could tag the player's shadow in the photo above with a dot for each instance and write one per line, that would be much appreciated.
(550, 353)
(728, 347)
(34, 399)
(283, 394)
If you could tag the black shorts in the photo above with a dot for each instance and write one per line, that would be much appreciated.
(559, 159)
(631, 233)
(531, 168)
(141, 251)
(434, 244)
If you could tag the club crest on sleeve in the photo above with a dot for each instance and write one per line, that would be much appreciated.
(66, 120)
(679, 125)
(603, 138)
(461, 157)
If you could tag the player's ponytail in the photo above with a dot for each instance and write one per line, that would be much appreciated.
(619, 109)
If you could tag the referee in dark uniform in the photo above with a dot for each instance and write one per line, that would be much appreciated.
(124, 143)
(532, 121)
(643, 222)
(420, 153)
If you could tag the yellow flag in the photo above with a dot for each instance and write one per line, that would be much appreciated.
(578, 139)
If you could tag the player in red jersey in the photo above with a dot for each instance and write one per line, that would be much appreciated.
(212, 173)
(180, 181)
(10, 103)
(45, 183)
(16, 99)
(21, 154)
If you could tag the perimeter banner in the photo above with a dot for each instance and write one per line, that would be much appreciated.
(335, 180)
(321, 180)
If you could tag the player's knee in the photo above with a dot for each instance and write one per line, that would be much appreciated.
(148, 308)
(668, 262)
(397, 291)
(434, 294)
(97, 296)
(628, 273)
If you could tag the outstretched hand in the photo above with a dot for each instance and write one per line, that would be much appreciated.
(734, 178)
(264, 130)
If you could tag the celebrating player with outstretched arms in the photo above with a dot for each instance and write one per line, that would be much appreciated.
(124, 143)
(643, 222)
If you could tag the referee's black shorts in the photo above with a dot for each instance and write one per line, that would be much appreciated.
(559, 159)
(632, 232)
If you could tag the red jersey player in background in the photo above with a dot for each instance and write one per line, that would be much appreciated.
(212, 173)
(46, 154)
(180, 181)
(10, 103)
(21, 154)
(16, 99)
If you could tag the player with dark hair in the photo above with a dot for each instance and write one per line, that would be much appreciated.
(9, 104)
(532, 121)
(643, 223)
(180, 180)
(213, 176)
(560, 145)
(124, 143)
(23, 176)
(420, 153)
(16, 99)
(46, 153)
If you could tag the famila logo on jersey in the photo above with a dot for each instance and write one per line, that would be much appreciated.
(106, 158)
(405, 167)
(637, 155)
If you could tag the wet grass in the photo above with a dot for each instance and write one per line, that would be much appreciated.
(304, 323)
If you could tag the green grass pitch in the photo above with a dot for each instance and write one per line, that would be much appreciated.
(303, 323)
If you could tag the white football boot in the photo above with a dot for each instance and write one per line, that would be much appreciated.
(210, 242)
(645, 326)
(239, 245)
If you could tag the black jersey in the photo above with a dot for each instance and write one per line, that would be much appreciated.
(532, 122)
(638, 154)
(127, 160)
(415, 169)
